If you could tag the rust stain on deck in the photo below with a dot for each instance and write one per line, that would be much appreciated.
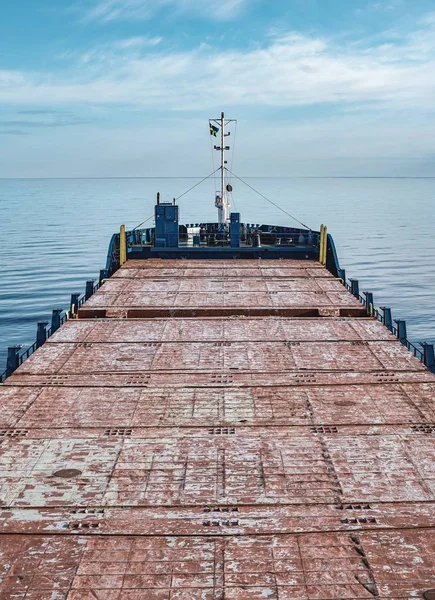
(218, 430)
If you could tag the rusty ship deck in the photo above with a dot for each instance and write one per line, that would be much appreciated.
(218, 430)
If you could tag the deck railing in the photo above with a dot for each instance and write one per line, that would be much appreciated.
(17, 357)
(378, 314)
(77, 300)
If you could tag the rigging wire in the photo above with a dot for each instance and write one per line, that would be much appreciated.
(197, 184)
(186, 192)
(233, 202)
(234, 146)
(270, 201)
(143, 222)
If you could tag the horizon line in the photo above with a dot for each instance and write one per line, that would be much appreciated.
(245, 176)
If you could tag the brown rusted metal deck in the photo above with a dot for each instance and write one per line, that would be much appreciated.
(218, 430)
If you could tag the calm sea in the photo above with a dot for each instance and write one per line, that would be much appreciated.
(55, 233)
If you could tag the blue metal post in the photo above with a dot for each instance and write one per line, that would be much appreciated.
(235, 230)
(388, 319)
(89, 288)
(354, 287)
(342, 274)
(401, 330)
(369, 301)
(429, 356)
(166, 230)
(41, 333)
(103, 275)
(74, 306)
(55, 319)
(13, 360)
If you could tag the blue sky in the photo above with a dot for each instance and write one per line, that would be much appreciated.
(125, 87)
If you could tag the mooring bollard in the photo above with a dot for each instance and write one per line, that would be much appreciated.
(41, 333)
(388, 320)
(369, 302)
(103, 275)
(74, 306)
(354, 287)
(55, 319)
(89, 288)
(13, 360)
(429, 356)
(401, 330)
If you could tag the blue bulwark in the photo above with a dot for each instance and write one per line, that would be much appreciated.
(235, 230)
(166, 233)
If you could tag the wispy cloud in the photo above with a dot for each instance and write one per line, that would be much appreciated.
(113, 10)
(13, 132)
(39, 119)
(114, 52)
(289, 70)
(136, 42)
(40, 111)
(379, 7)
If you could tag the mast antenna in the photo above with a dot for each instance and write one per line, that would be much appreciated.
(222, 201)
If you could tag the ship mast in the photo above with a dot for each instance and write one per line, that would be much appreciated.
(222, 202)
(223, 216)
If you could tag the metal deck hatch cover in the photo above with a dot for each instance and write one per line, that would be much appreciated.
(186, 457)
(303, 567)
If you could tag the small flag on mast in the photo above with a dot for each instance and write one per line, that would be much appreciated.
(214, 130)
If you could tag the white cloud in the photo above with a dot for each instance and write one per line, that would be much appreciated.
(379, 7)
(290, 70)
(113, 10)
(112, 53)
(137, 42)
(11, 78)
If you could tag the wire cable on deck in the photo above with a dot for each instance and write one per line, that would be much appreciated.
(199, 183)
(143, 222)
(186, 192)
(270, 201)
